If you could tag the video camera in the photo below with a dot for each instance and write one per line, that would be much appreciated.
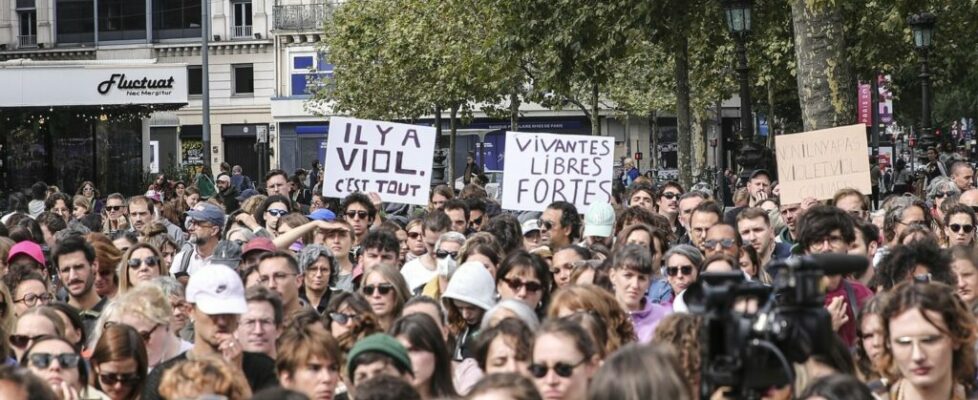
(753, 334)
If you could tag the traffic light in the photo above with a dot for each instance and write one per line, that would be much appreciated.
(438, 167)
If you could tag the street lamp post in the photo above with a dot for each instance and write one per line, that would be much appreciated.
(923, 32)
(738, 15)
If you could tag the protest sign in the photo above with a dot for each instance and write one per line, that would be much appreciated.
(819, 163)
(542, 168)
(391, 159)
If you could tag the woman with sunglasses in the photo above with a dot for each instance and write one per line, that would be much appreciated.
(564, 358)
(35, 323)
(680, 269)
(269, 212)
(27, 289)
(385, 290)
(141, 263)
(930, 343)
(349, 319)
(87, 189)
(940, 189)
(60, 364)
(631, 275)
(446, 253)
(429, 355)
(415, 240)
(146, 309)
(119, 363)
(525, 277)
(959, 226)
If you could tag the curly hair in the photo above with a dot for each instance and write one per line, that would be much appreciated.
(899, 264)
(682, 332)
(209, 375)
(589, 297)
(958, 323)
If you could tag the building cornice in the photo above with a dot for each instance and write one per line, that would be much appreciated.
(216, 48)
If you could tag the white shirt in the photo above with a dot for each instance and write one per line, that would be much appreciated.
(196, 262)
(416, 274)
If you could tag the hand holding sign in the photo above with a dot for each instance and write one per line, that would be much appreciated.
(393, 160)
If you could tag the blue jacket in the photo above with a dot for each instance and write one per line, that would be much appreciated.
(660, 292)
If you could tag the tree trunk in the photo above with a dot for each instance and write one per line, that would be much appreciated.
(653, 138)
(453, 125)
(683, 117)
(595, 117)
(699, 130)
(825, 87)
(514, 111)
(770, 115)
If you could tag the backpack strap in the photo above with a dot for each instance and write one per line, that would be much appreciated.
(187, 255)
(851, 298)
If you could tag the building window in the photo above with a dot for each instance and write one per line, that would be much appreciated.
(176, 19)
(121, 20)
(241, 24)
(244, 79)
(195, 81)
(28, 29)
(309, 71)
(75, 21)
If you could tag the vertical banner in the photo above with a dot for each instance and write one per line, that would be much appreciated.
(819, 163)
(886, 100)
(865, 104)
(542, 168)
(393, 160)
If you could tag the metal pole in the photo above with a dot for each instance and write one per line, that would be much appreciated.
(925, 123)
(746, 116)
(205, 27)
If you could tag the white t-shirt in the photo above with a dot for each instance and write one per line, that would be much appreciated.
(416, 274)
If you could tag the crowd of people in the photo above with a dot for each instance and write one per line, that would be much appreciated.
(274, 294)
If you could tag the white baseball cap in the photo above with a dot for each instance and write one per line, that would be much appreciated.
(530, 226)
(217, 290)
(599, 220)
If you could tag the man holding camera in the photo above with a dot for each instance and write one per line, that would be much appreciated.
(826, 229)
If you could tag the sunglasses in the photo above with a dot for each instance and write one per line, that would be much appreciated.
(670, 195)
(443, 254)
(414, 235)
(150, 261)
(939, 195)
(725, 243)
(357, 213)
(383, 288)
(146, 336)
(21, 341)
(685, 270)
(113, 208)
(958, 227)
(341, 318)
(546, 225)
(563, 370)
(476, 222)
(113, 379)
(276, 212)
(43, 360)
(516, 284)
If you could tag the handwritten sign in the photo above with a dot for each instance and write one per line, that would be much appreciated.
(391, 159)
(819, 163)
(542, 168)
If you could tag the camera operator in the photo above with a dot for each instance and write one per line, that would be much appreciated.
(826, 229)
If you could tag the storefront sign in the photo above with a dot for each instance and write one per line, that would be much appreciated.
(393, 160)
(542, 168)
(29, 84)
(817, 164)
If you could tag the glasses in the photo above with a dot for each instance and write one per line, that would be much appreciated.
(278, 277)
(712, 243)
(443, 254)
(22, 341)
(959, 227)
(476, 222)
(317, 271)
(145, 335)
(563, 370)
(341, 318)
(912, 223)
(87, 189)
(516, 284)
(150, 261)
(383, 288)
(113, 208)
(43, 360)
(547, 225)
(940, 195)
(114, 379)
(357, 214)
(670, 195)
(31, 299)
(679, 269)
(276, 212)
(414, 235)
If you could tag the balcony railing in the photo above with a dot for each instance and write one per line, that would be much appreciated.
(25, 4)
(28, 41)
(241, 31)
(305, 17)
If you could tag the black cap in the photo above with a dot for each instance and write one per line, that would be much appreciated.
(761, 172)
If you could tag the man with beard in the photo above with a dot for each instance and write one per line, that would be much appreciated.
(218, 300)
(204, 225)
(76, 264)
